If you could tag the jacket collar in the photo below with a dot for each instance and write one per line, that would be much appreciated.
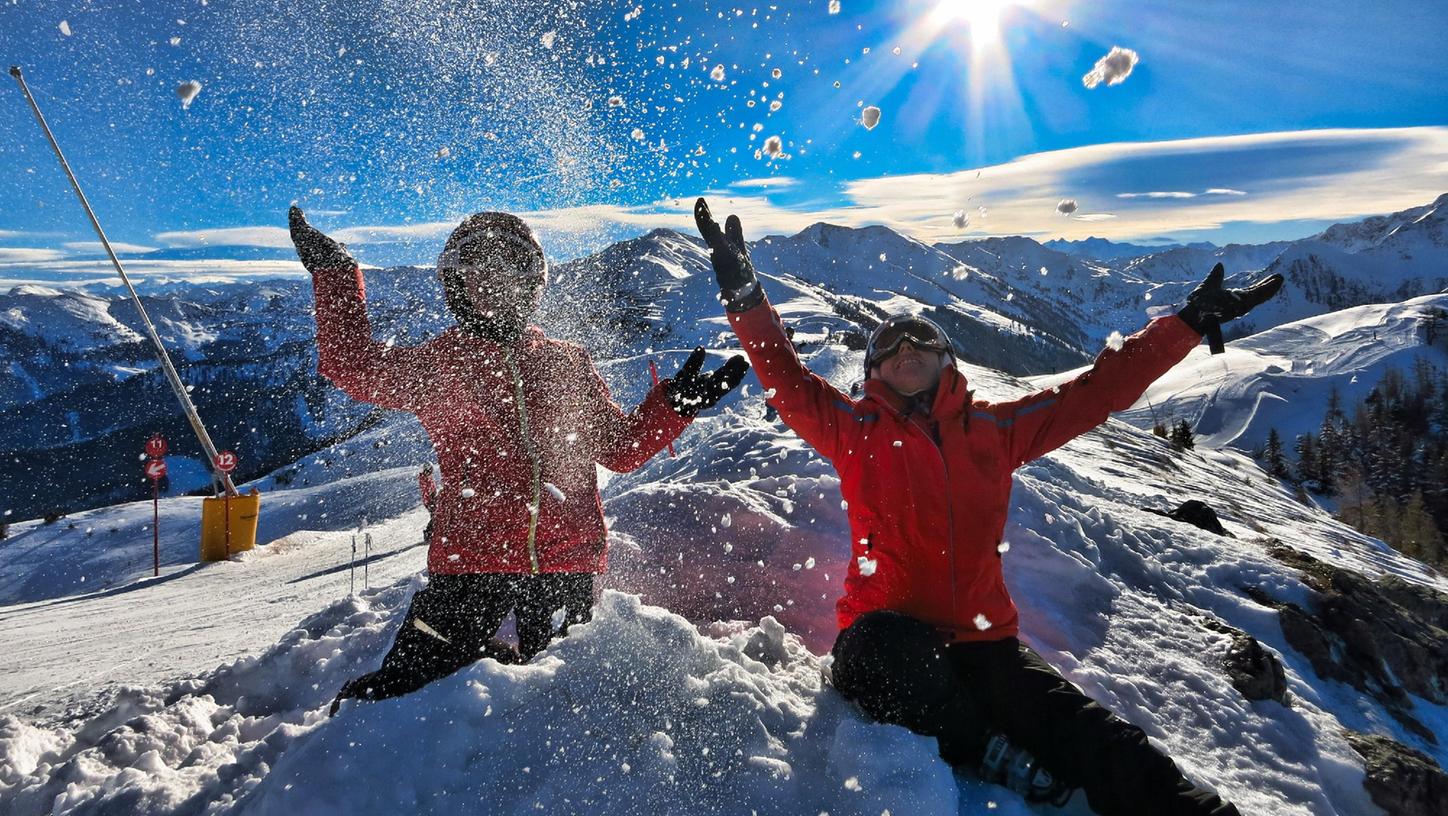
(952, 395)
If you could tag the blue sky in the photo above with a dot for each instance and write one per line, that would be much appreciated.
(1249, 120)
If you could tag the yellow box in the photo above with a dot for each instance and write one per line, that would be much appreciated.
(242, 525)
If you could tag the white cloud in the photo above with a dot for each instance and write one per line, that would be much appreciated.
(1326, 175)
(84, 273)
(120, 248)
(404, 233)
(774, 182)
(1172, 194)
(275, 237)
(1322, 175)
(1113, 69)
(22, 255)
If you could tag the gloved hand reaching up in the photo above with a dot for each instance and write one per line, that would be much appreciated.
(691, 391)
(317, 252)
(738, 287)
(1212, 304)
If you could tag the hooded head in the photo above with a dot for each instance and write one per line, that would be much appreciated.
(493, 273)
(908, 353)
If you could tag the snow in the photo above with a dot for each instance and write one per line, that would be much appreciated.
(717, 74)
(65, 27)
(870, 117)
(187, 92)
(548, 38)
(1113, 69)
(834, 6)
(205, 690)
(1267, 380)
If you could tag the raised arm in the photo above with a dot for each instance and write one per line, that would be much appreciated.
(807, 403)
(346, 353)
(1046, 420)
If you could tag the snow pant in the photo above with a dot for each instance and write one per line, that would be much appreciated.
(452, 621)
(900, 670)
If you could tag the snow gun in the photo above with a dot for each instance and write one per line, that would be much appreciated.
(244, 510)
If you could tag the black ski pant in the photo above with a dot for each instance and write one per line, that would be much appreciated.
(900, 670)
(452, 622)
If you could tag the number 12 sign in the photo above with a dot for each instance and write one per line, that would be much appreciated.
(226, 461)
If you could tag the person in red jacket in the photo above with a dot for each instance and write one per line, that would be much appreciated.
(928, 634)
(518, 422)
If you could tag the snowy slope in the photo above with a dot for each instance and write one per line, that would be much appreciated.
(640, 712)
(205, 691)
(1281, 378)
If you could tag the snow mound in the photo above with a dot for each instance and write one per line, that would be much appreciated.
(633, 713)
(636, 712)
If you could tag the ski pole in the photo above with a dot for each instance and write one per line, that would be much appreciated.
(165, 359)
(366, 561)
(352, 570)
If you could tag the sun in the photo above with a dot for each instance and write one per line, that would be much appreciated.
(983, 17)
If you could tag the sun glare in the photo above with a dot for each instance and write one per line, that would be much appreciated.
(983, 17)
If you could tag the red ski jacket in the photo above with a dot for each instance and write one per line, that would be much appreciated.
(928, 494)
(499, 457)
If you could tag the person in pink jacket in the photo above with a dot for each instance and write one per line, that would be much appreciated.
(518, 421)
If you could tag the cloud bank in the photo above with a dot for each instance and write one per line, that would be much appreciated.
(1159, 188)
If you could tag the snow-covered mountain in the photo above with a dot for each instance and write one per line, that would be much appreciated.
(1100, 249)
(1281, 378)
(78, 384)
(702, 688)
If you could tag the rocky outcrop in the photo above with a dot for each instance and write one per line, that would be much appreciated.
(1196, 513)
(1401, 781)
(1385, 638)
(1253, 669)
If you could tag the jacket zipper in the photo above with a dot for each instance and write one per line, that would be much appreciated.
(949, 513)
(950, 530)
(533, 509)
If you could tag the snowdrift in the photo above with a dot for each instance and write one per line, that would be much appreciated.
(636, 712)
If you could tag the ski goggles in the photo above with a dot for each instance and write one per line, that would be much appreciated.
(495, 253)
(885, 340)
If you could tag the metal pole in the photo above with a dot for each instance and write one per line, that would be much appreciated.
(171, 375)
(155, 528)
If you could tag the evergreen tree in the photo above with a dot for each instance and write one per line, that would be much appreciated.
(1418, 535)
(1272, 455)
(1306, 450)
(1181, 436)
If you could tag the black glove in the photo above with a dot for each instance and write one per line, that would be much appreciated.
(1211, 304)
(690, 391)
(738, 287)
(317, 252)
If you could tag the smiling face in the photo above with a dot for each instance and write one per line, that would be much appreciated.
(910, 370)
